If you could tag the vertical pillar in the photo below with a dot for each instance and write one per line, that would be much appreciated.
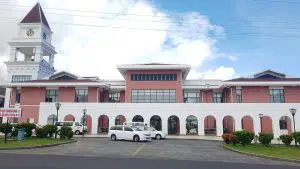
(94, 125)
(51, 60)
(256, 125)
(201, 126)
(13, 54)
(38, 54)
(237, 123)
(182, 122)
(164, 125)
(219, 126)
(276, 128)
(7, 97)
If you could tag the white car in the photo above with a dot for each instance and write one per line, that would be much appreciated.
(155, 133)
(77, 127)
(120, 132)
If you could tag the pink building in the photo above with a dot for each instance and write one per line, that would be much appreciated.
(157, 94)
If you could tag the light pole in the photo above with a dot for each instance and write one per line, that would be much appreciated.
(109, 85)
(260, 117)
(83, 120)
(293, 112)
(57, 105)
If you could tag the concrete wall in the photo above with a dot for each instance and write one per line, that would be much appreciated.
(256, 94)
(177, 85)
(182, 111)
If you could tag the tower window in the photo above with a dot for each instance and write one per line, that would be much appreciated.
(21, 78)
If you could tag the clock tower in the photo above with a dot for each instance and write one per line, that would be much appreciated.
(31, 52)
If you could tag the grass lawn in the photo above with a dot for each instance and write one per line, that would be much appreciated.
(279, 151)
(30, 142)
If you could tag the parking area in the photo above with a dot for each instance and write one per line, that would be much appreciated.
(195, 150)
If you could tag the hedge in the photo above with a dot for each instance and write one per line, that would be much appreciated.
(265, 138)
(244, 137)
(286, 139)
(66, 132)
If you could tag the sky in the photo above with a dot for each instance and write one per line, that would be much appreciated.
(219, 39)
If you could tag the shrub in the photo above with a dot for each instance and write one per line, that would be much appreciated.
(244, 137)
(233, 139)
(265, 138)
(3, 128)
(50, 129)
(296, 135)
(41, 133)
(28, 127)
(286, 139)
(226, 131)
(66, 132)
(298, 140)
(226, 138)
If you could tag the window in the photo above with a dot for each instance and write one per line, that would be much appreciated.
(153, 96)
(114, 97)
(18, 95)
(239, 98)
(20, 78)
(191, 97)
(118, 128)
(153, 77)
(277, 95)
(217, 97)
(283, 123)
(127, 129)
(81, 95)
(51, 95)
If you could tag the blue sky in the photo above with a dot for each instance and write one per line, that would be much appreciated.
(252, 28)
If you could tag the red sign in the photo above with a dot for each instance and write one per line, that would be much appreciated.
(10, 112)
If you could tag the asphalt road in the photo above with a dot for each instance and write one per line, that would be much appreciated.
(33, 161)
(103, 153)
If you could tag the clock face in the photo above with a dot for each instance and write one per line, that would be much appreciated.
(30, 32)
(44, 36)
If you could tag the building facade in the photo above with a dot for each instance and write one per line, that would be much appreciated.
(157, 94)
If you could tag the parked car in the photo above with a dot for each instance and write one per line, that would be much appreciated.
(122, 132)
(155, 133)
(77, 127)
(139, 125)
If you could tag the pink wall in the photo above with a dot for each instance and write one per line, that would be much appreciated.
(232, 95)
(228, 122)
(256, 94)
(247, 123)
(67, 94)
(69, 117)
(267, 124)
(209, 122)
(122, 96)
(292, 94)
(177, 85)
(30, 101)
(207, 96)
(13, 96)
(93, 94)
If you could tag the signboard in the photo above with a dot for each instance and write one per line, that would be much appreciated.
(10, 112)
(21, 133)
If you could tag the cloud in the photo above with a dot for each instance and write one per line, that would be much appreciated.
(223, 73)
(233, 58)
(94, 50)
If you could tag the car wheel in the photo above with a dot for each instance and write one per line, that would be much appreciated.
(113, 137)
(77, 132)
(157, 136)
(136, 138)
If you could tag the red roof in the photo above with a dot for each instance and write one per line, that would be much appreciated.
(68, 81)
(36, 15)
(262, 79)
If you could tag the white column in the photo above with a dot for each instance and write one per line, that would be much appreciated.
(256, 125)
(164, 126)
(237, 123)
(276, 128)
(219, 126)
(201, 126)
(13, 54)
(7, 97)
(94, 125)
(38, 54)
(51, 60)
(182, 124)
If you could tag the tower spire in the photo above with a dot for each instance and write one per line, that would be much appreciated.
(36, 15)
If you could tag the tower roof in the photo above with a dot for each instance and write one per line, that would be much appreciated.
(36, 15)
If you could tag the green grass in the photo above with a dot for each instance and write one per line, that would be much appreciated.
(279, 151)
(30, 142)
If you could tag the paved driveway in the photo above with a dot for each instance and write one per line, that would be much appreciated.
(195, 150)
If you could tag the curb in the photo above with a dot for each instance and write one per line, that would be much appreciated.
(261, 156)
(41, 146)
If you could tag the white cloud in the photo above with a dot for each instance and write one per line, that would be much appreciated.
(221, 72)
(188, 38)
(233, 58)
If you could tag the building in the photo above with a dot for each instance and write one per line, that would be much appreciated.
(157, 94)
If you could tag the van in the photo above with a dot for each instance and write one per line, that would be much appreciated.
(77, 127)
(120, 132)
